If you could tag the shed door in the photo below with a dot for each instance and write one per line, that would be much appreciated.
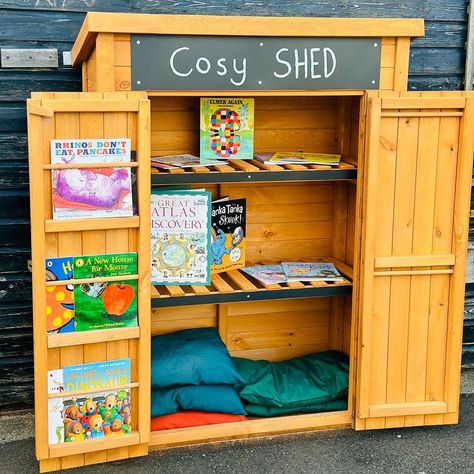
(414, 241)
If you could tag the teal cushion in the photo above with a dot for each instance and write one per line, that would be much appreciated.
(212, 398)
(260, 410)
(163, 402)
(296, 383)
(191, 357)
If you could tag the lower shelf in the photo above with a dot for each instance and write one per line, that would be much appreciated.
(250, 428)
(69, 449)
(236, 285)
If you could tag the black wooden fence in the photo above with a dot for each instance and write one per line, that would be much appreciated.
(436, 62)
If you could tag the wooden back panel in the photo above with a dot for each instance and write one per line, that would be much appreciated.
(414, 244)
(55, 116)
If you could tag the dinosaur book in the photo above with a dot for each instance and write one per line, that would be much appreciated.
(180, 237)
(81, 416)
(228, 234)
(226, 128)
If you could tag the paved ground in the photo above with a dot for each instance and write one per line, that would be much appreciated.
(426, 450)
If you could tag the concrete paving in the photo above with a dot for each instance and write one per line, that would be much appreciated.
(424, 450)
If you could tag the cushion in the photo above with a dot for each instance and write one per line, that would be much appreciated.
(299, 382)
(163, 401)
(210, 398)
(191, 357)
(191, 418)
(261, 410)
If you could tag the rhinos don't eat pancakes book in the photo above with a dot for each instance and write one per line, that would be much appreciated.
(180, 237)
(79, 193)
(80, 416)
(226, 128)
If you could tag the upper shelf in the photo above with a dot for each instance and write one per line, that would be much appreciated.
(253, 170)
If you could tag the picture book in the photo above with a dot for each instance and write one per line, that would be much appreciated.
(182, 161)
(80, 416)
(106, 304)
(91, 192)
(180, 237)
(300, 271)
(289, 158)
(59, 298)
(228, 234)
(267, 274)
(226, 128)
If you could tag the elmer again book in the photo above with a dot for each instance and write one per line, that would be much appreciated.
(105, 304)
(226, 128)
(180, 237)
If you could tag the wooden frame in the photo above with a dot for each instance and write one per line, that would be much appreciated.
(89, 116)
(371, 130)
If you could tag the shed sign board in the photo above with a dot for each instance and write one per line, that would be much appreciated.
(172, 62)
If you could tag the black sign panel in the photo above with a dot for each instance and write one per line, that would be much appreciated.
(169, 62)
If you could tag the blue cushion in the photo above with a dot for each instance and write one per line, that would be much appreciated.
(213, 398)
(163, 402)
(191, 357)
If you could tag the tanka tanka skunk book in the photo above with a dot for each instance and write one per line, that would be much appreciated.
(228, 234)
(180, 237)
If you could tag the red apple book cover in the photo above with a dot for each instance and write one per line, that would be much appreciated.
(105, 304)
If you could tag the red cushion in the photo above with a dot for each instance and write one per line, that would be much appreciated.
(185, 419)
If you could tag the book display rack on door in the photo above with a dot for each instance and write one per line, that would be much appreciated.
(393, 218)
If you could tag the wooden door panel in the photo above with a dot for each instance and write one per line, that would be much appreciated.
(413, 267)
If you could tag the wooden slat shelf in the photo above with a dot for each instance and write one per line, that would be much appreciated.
(236, 285)
(71, 225)
(92, 337)
(69, 449)
(252, 170)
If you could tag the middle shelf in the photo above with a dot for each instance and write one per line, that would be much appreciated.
(236, 285)
(252, 170)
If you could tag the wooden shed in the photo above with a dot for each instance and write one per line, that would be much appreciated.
(393, 218)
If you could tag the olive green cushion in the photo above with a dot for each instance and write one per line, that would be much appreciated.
(295, 383)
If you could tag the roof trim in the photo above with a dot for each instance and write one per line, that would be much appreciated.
(99, 22)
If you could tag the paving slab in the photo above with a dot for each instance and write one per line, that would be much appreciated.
(435, 449)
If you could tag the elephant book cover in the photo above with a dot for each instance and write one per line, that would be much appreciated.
(228, 234)
(226, 128)
(91, 192)
(105, 304)
(80, 416)
(180, 237)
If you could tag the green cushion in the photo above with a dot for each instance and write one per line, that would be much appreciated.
(260, 410)
(296, 383)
